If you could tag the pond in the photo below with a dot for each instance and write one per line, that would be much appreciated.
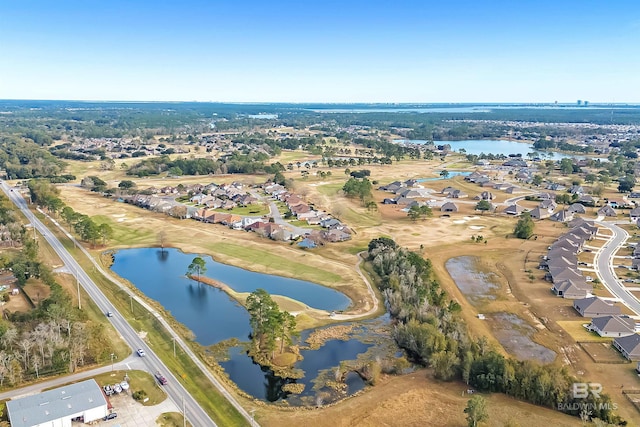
(496, 147)
(450, 174)
(513, 333)
(214, 317)
(161, 276)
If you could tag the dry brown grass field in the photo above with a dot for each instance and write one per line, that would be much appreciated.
(414, 399)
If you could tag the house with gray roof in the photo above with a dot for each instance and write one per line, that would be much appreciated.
(548, 204)
(613, 326)
(561, 216)
(586, 199)
(629, 346)
(538, 213)
(577, 208)
(449, 207)
(634, 214)
(58, 406)
(607, 210)
(513, 210)
(595, 307)
(571, 289)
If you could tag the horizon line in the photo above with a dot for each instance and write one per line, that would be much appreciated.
(552, 103)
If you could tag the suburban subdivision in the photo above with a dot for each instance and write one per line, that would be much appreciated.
(213, 264)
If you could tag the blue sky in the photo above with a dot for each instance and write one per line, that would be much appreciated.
(321, 51)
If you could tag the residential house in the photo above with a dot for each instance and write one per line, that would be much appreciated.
(613, 326)
(513, 210)
(458, 194)
(607, 210)
(546, 196)
(634, 214)
(562, 216)
(587, 200)
(571, 290)
(330, 223)
(576, 189)
(474, 176)
(554, 186)
(577, 208)
(549, 205)
(518, 163)
(595, 307)
(513, 190)
(335, 235)
(538, 213)
(629, 346)
(485, 195)
(449, 207)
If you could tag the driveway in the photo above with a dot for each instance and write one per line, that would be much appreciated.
(134, 414)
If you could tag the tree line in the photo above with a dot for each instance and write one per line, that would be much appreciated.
(46, 195)
(431, 331)
(52, 338)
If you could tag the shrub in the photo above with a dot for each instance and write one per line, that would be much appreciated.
(139, 395)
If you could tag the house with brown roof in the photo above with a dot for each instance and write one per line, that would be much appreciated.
(218, 218)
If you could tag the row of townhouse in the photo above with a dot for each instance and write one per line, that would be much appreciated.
(561, 261)
(485, 181)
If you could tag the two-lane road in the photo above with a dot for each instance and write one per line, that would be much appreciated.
(176, 392)
(603, 262)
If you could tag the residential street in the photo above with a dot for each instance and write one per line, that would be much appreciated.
(603, 262)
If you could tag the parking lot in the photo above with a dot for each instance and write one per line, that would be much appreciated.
(134, 414)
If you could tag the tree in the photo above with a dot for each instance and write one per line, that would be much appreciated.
(566, 166)
(268, 323)
(126, 184)
(476, 411)
(105, 232)
(197, 267)
(563, 199)
(536, 180)
(444, 174)
(416, 212)
(524, 227)
(626, 184)
(483, 205)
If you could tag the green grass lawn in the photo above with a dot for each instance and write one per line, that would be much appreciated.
(268, 259)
